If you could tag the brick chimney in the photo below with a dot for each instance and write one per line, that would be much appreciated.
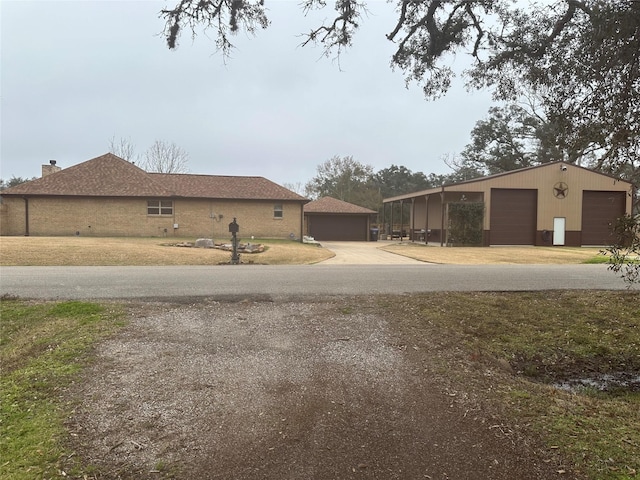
(49, 169)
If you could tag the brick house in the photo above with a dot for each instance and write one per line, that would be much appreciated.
(108, 196)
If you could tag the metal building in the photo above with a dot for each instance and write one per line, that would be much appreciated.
(552, 204)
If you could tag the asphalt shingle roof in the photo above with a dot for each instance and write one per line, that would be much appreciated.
(335, 206)
(224, 187)
(111, 176)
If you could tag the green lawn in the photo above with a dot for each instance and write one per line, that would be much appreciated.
(43, 346)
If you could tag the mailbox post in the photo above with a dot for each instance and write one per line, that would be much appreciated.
(234, 228)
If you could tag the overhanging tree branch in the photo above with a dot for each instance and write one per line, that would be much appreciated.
(223, 16)
(580, 57)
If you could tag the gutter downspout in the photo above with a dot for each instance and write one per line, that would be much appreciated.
(302, 232)
(26, 216)
(442, 217)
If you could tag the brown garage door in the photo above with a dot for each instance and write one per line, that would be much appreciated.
(513, 216)
(599, 213)
(338, 227)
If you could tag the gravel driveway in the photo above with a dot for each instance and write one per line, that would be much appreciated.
(284, 390)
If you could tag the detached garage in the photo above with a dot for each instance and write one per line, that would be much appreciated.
(328, 219)
(552, 204)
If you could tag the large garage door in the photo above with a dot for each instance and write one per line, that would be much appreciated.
(599, 213)
(513, 216)
(338, 227)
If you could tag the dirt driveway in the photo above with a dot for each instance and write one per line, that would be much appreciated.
(268, 390)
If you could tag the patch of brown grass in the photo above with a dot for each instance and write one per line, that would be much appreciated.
(493, 255)
(285, 252)
(508, 349)
(77, 251)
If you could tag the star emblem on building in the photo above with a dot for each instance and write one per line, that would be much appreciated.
(560, 190)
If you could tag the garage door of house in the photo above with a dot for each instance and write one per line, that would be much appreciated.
(338, 227)
(599, 213)
(513, 216)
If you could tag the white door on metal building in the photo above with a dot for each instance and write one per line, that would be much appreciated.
(558, 230)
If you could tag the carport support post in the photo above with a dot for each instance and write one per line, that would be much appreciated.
(426, 220)
(401, 218)
(412, 219)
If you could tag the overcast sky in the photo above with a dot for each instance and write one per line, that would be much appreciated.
(77, 73)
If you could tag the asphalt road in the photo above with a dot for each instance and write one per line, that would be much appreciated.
(291, 282)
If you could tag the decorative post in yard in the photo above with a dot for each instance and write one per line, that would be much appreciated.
(234, 228)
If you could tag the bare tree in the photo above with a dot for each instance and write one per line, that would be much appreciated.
(163, 157)
(296, 187)
(123, 148)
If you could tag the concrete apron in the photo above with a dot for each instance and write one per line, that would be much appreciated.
(364, 253)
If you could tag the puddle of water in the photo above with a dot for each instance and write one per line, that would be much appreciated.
(603, 382)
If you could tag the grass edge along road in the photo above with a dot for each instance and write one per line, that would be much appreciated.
(520, 338)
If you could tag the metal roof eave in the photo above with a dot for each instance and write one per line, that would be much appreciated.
(435, 190)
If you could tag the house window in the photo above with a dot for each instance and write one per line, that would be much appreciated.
(159, 207)
(277, 211)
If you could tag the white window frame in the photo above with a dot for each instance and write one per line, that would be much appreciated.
(278, 211)
(159, 208)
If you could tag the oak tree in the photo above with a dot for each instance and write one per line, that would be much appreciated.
(13, 181)
(346, 179)
(515, 136)
(580, 57)
(398, 180)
